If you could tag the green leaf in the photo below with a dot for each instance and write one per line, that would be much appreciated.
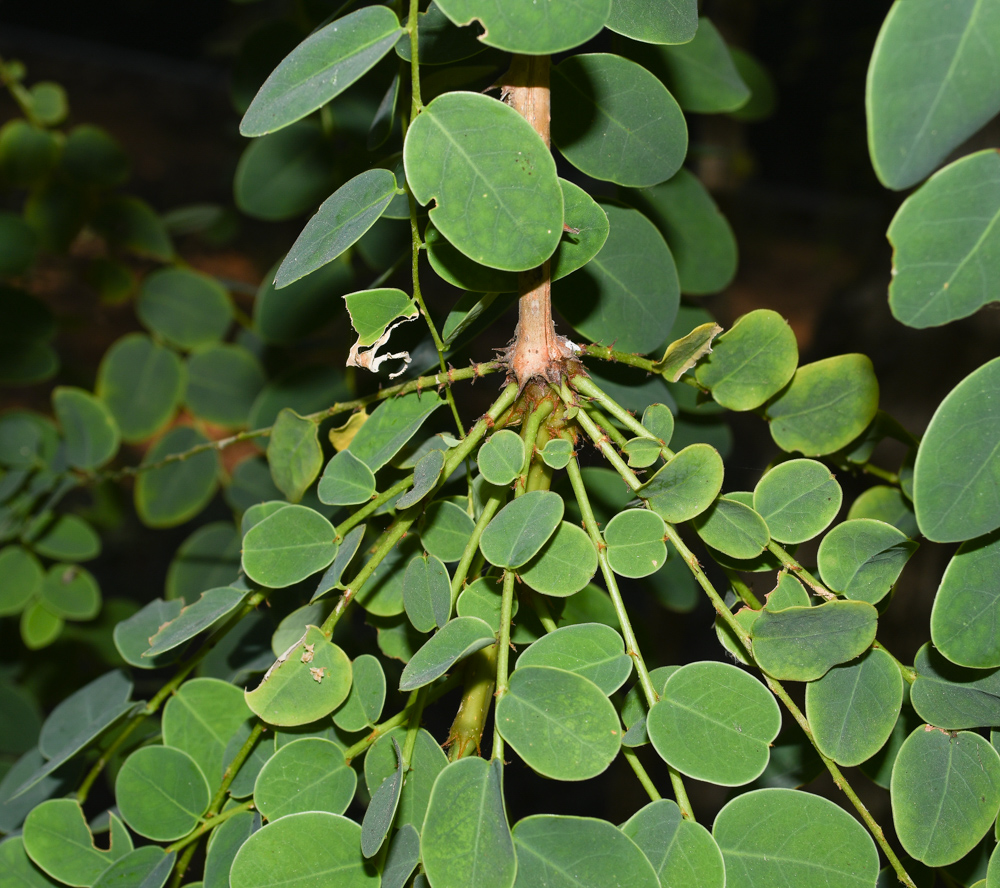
(147, 867)
(161, 793)
(628, 293)
(21, 579)
(686, 486)
(48, 102)
(141, 383)
(427, 593)
(213, 605)
(455, 641)
(374, 315)
(557, 453)
(131, 636)
(382, 808)
(427, 761)
(501, 457)
(635, 541)
(175, 493)
(394, 422)
(440, 42)
(282, 175)
(311, 681)
(962, 627)
(523, 26)
(834, 851)
(520, 529)
(425, 478)
(91, 433)
(301, 308)
(701, 73)
(952, 697)
(944, 244)
(575, 250)
(132, 224)
(363, 705)
(798, 499)
(320, 68)
(863, 558)
(92, 157)
(763, 93)
(752, 361)
(804, 643)
(682, 852)
(302, 850)
(207, 559)
(945, 794)
(18, 245)
(305, 775)
(70, 592)
(733, 528)
(58, 840)
(292, 627)
(483, 599)
(39, 626)
(592, 650)
(346, 481)
(853, 708)
(714, 722)
(382, 595)
(402, 858)
(27, 152)
(465, 838)
(226, 840)
(288, 546)
(642, 452)
(578, 852)
(932, 82)
(615, 121)
(79, 720)
(346, 551)
(223, 381)
(651, 21)
(561, 724)
(294, 453)
(564, 565)
(339, 222)
(956, 478)
(501, 214)
(186, 308)
(199, 719)
(888, 504)
(701, 241)
(826, 406)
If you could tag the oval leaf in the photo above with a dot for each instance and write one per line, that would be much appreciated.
(798, 499)
(863, 558)
(564, 565)
(682, 852)
(687, 485)
(714, 722)
(459, 638)
(501, 214)
(733, 528)
(635, 541)
(520, 529)
(320, 68)
(92, 436)
(288, 546)
(592, 650)
(305, 775)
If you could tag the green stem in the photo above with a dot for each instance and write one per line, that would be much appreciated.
(411, 26)
(631, 643)
(355, 518)
(209, 825)
(779, 691)
(472, 546)
(606, 353)
(640, 772)
(180, 868)
(232, 769)
(787, 561)
(586, 386)
(610, 454)
(541, 609)
(466, 734)
(446, 378)
(401, 717)
(158, 699)
(529, 434)
(419, 700)
(503, 655)
(606, 426)
(884, 474)
(742, 589)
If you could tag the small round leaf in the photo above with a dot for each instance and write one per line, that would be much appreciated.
(520, 529)
(635, 540)
(501, 457)
(564, 565)
(798, 499)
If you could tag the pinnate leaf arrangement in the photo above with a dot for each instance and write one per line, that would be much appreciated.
(279, 741)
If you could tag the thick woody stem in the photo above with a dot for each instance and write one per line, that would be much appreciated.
(537, 353)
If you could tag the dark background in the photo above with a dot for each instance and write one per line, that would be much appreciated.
(799, 189)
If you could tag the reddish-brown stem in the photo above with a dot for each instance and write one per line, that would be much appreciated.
(537, 352)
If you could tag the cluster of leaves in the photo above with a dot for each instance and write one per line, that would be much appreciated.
(462, 545)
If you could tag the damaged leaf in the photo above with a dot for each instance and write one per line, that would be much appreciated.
(374, 315)
(683, 354)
